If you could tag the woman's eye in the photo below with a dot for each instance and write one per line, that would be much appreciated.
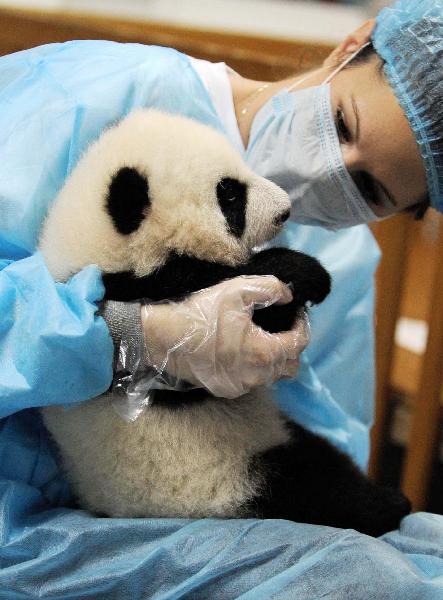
(342, 129)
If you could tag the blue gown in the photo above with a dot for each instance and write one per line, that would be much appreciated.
(55, 100)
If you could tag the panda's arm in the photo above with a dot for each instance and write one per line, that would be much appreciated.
(182, 275)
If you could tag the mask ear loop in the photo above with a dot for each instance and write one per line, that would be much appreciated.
(334, 73)
(344, 63)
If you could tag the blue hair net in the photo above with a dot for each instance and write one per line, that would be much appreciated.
(409, 38)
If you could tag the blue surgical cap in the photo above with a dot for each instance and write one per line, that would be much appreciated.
(409, 38)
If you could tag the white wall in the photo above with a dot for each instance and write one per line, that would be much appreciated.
(284, 19)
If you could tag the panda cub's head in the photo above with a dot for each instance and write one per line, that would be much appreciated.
(157, 185)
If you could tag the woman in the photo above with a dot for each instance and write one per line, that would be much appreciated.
(55, 100)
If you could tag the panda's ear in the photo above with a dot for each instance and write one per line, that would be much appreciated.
(128, 200)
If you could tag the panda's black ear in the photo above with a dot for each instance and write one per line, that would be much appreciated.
(128, 200)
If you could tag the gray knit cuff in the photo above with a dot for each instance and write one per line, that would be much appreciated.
(125, 326)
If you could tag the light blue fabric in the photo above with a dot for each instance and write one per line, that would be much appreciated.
(66, 554)
(409, 38)
(55, 100)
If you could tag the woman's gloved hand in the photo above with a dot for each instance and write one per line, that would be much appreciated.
(210, 341)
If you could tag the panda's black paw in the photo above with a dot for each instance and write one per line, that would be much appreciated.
(309, 279)
(310, 283)
(382, 511)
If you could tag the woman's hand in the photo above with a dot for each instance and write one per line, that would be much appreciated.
(210, 340)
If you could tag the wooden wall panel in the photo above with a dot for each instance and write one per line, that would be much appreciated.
(255, 57)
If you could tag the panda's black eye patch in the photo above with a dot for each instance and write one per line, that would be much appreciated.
(128, 199)
(232, 198)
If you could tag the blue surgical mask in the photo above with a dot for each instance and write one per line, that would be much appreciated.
(294, 143)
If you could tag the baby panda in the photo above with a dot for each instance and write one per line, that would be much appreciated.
(165, 206)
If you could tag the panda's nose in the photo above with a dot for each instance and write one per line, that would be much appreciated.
(282, 218)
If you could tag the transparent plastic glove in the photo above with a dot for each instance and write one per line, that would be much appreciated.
(209, 340)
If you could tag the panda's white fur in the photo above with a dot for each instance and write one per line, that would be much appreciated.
(166, 463)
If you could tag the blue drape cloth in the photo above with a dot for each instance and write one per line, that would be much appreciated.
(54, 101)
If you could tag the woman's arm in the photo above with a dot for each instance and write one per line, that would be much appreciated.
(54, 349)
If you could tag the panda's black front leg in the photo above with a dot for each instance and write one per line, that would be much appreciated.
(310, 481)
(182, 275)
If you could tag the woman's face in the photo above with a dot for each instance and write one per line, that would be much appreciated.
(379, 148)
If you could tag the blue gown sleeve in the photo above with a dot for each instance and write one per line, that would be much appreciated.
(56, 100)
(53, 349)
